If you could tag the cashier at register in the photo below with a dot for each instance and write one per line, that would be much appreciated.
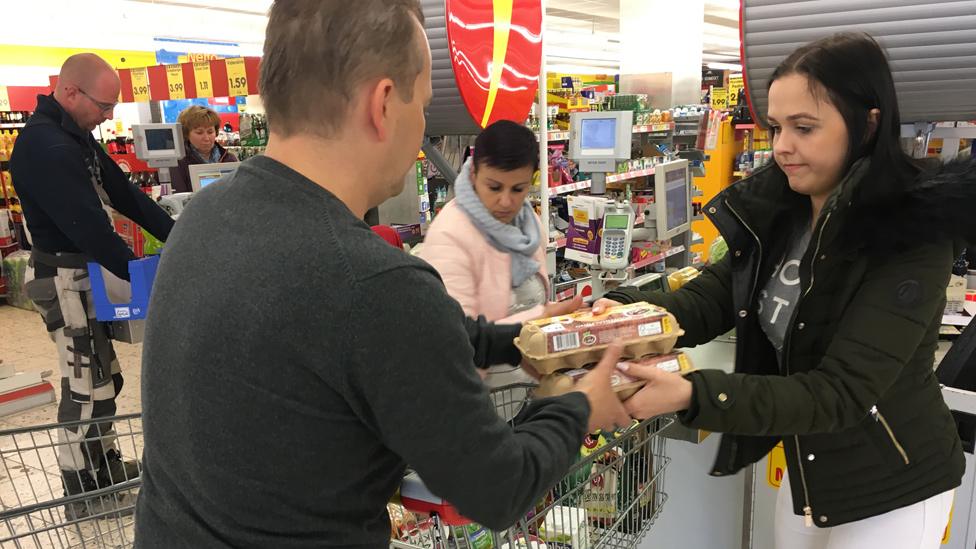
(200, 128)
(487, 243)
(835, 283)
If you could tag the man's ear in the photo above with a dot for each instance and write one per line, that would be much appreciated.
(874, 118)
(378, 108)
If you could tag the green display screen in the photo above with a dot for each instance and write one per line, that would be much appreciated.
(616, 222)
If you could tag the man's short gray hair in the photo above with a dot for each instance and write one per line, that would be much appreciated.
(317, 52)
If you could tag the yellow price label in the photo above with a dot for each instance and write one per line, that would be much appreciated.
(201, 73)
(236, 77)
(140, 85)
(581, 216)
(174, 77)
(720, 99)
(947, 535)
(735, 86)
(4, 99)
(776, 466)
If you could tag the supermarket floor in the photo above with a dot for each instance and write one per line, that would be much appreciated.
(25, 344)
(29, 470)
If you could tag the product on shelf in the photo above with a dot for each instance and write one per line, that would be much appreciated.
(254, 130)
(7, 140)
(14, 117)
(559, 166)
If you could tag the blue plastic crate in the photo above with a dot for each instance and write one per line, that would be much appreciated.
(142, 273)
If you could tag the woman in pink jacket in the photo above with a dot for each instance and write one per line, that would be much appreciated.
(487, 243)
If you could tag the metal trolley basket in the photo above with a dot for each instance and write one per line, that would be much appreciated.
(609, 498)
(35, 513)
(613, 493)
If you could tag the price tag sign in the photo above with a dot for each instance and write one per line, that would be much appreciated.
(4, 99)
(236, 76)
(140, 85)
(174, 77)
(720, 99)
(201, 73)
(776, 466)
(735, 86)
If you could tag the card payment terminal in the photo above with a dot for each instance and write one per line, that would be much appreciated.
(615, 243)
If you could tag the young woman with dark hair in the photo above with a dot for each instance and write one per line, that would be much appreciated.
(839, 257)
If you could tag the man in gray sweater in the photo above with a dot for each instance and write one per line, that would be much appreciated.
(294, 363)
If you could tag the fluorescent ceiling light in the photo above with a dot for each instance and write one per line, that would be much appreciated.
(725, 67)
(579, 69)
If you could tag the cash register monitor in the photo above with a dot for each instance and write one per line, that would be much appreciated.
(670, 215)
(202, 175)
(597, 140)
(958, 367)
(159, 144)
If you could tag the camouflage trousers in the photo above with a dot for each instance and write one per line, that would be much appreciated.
(90, 375)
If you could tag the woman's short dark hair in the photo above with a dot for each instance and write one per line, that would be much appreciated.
(852, 70)
(507, 146)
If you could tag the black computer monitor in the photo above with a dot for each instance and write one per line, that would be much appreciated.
(958, 367)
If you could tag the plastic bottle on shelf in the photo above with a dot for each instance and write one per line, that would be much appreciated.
(4, 146)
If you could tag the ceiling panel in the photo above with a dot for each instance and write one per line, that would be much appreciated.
(590, 29)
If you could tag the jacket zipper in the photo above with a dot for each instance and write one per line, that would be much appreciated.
(755, 282)
(755, 286)
(879, 417)
(807, 509)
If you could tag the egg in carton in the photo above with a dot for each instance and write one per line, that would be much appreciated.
(573, 341)
(625, 385)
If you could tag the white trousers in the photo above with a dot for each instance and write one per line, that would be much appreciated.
(918, 526)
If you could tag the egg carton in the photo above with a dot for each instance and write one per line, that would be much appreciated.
(573, 341)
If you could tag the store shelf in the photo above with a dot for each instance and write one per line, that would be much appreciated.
(563, 189)
(556, 135)
(674, 251)
(629, 175)
(952, 130)
(657, 258)
(12, 125)
(745, 126)
(686, 133)
(566, 295)
(644, 128)
(555, 245)
(654, 128)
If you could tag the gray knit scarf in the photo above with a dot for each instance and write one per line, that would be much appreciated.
(520, 239)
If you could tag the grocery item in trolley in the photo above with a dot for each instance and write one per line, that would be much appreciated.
(560, 383)
(566, 527)
(417, 498)
(573, 341)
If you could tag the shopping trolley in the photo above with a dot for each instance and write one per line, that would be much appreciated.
(610, 497)
(34, 510)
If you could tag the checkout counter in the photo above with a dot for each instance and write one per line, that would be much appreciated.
(736, 512)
